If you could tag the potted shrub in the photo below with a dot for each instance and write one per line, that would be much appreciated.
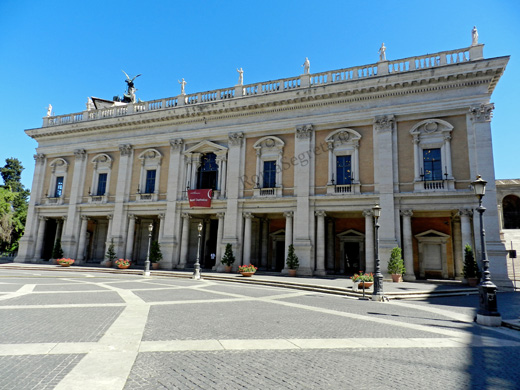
(57, 252)
(292, 261)
(228, 259)
(362, 280)
(155, 254)
(111, 254)
(396, 265)
(471, 271)
(247, 270)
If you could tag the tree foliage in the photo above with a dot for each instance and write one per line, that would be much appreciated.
(229, 257)
(13, 205)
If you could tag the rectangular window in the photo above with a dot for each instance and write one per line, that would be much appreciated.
(269, 174)
(343, 170)
(150, 182)
(102, 184)
(59, 187)
(432, 164)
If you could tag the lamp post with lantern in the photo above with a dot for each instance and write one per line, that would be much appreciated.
(196, 271)
(147, 262)
(487, 313)
(377, 294)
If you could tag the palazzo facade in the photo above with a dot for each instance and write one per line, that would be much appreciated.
(299, 161)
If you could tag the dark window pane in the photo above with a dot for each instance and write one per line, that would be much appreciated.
(208, 172)
(59, 187)
(269, 174)
(150, 181)
(432, 164)
(343, 170)
(102, 184)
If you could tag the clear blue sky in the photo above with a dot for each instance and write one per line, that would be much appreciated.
(61, 52)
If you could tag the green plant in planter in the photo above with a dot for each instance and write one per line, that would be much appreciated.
(57, 252)
(292, 259)
(396, 263)
(155, 252)
(228, 258)
(471, 269)
(111, 253)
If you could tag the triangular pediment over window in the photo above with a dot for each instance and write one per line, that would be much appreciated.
(206, 147)
(432, 233)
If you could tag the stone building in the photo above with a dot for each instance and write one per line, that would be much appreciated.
(299, 161)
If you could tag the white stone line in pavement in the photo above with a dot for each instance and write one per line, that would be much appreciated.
(446, 313)
(24, 290)
(64, 306)
(109, 370)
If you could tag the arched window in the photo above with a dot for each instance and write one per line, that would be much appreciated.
(511, 210)
(208, 172)
(343, 145)
(56, 191)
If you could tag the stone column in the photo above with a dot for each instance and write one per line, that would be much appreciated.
(80, 256)
(447, 148)
(288, 235)
(408, 245)
(320, 244)
(246, 259)
(188, 172)
(465, 231)
(185, 242)
(220, 234)
(130, 236)
(223, 181)
(161, 227)
(331, 248)
(39, 239)
(457, 244)
(264, 242)
(369, 240)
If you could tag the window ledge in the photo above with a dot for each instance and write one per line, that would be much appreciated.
(276, 192)
(147, 197)
(343, 189)
(54, 200)
(98, 199)
(434, 185)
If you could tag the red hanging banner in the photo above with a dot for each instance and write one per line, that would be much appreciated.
(200, 198)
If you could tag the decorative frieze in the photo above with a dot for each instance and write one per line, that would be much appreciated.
(384, 123)
(304, 131)
(482, 113)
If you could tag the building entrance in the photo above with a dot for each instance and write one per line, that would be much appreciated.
(351, 251)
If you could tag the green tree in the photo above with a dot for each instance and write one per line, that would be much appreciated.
(471, 269)
(396, 263)
(229, 257)
(57, 252)
(111, 253)
(155, 252)
(292, 259)
(13, 222)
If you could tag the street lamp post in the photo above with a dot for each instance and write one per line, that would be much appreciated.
(196, 271)
(377, 295)
(147, 262)
(487, 313)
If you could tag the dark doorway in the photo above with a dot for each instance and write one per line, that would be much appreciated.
(211, 244)
(48, 239)
(351, 250)
(511, 210)
(280, 254)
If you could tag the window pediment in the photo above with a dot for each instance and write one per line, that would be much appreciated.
(343, 138)
(207, 147)
(59, 165)
(431, 127)
(102, 161)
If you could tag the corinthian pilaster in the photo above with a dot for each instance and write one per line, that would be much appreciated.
(483, 112)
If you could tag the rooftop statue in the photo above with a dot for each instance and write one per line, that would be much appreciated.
(183, 85)
(382, 53)
(240, 76)
(49, 110)
(306, 66)
(474, 36)
(129, 96)
(90, 104)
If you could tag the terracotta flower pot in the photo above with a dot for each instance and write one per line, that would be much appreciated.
(123, 266)
(155, 265)
(247, 274)
(292, 272)
(365, 284)
(227, 268)
(396, 278)
(472, 282)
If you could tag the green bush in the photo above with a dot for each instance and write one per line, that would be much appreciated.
(292, 259)
(57, 252)
(111, 253)
(396, 263)
(470, 264)
(155, 252)
(228, 258)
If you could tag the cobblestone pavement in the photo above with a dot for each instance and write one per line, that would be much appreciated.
(90, 331)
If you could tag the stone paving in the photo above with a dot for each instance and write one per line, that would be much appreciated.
(84, 330)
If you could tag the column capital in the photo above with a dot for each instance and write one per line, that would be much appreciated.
(176, 144)
(465, 212)
(221, 215)
(125, 149)
(248, 215)
(84, 218)
(161, 215)
(320, 213)
(42, 218)
(288, 214)
(110, 216)
(384, 123)
(132, 216)
(482, 113)
(64, 218)
(39, 158)
(407, 213)
(368, 213)
(235, 139)
(81, 154)
(304, 131)
(186, 216)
